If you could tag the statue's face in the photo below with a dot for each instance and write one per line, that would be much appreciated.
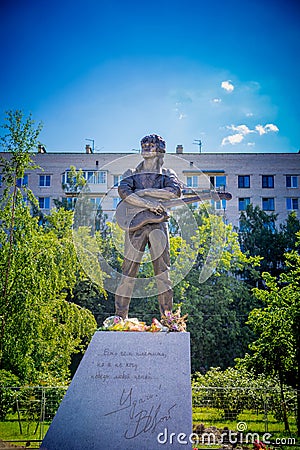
(149, 150)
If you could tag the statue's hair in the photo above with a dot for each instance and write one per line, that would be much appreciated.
(157, 140)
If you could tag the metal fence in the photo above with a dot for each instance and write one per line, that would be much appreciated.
(239, 415)
(26, 413)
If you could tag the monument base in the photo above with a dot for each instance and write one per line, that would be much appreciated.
(131, 391)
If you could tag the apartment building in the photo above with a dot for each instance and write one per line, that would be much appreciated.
(269, 180)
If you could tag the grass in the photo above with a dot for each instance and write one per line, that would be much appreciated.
(255, 423)
(10, 430)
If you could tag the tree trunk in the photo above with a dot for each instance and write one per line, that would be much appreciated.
(285, 418)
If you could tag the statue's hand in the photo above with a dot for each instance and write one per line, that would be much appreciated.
(155, 207)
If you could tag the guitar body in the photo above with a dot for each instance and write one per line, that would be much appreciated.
(131, 218)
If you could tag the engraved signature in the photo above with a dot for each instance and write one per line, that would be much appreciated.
(142, 418)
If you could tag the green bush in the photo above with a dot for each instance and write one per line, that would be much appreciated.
(235, 390)
(8, 388)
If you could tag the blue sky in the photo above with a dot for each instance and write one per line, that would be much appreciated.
(224, 72)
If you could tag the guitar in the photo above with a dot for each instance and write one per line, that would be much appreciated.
(131, 218)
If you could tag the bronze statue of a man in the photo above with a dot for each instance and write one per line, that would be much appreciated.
(149, 180)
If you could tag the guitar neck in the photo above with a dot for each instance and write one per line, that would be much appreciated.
(196, 198)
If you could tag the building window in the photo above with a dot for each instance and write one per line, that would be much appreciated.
(117, 179)
(219, 204)
(66, 179)
(90, 177)
(116, 201)
(219, 182)
(244, 181)
(71, 202)
(243, 203)
(96, 201)
(101, 177)
(291, 181)
(192, 181)
(267, 181)
(45, 181)
(44, 202)
(96, 177)
(22, 181)
(292, 203)
(268, 204)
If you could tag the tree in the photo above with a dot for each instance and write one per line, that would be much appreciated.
(85, 292)
(20, 139)
(232, 395)
(276, 351)
(40, 330)
(237, 389)
(217, 312)
(75, 183)
(87, 295)
(217, 308)
(259, 236)
(288, 231)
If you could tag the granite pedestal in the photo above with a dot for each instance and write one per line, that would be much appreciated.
(131, 391)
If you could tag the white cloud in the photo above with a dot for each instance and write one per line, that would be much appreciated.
(271, 127)
(216, 100)
(266, 129)
(260, 129)
(227, 85)
(243, 130)
(233, 139)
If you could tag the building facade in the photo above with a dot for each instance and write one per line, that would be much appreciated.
(269, 180)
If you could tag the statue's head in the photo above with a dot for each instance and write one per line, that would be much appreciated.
(153, 145)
